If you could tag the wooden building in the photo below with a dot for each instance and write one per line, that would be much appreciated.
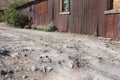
(113, 21)
(75, 16)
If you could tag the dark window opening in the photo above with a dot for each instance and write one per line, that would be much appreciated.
(65, 6)
(110, 4)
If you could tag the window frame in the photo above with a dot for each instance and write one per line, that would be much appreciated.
(61, 7)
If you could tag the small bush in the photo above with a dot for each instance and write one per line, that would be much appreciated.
(48, 27)
(1, 17)
(27, 27)
(16, 18)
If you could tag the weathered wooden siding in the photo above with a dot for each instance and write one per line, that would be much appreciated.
(40, 18)
(61, 21)
(102, 20)
(86, 16)
(83, 18)
(113, 26)
(43, 18)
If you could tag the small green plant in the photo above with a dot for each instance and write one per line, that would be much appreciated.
(16, 18)
(48, 27)
(1, 17)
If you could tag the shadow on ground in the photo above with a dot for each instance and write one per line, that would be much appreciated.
(4, 53)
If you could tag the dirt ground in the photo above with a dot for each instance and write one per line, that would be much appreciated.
(36, 55)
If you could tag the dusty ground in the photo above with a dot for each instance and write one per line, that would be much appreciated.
(36, 55)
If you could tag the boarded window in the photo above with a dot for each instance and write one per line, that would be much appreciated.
(65, 6)
(43, 7)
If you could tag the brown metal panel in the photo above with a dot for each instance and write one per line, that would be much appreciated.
(46, 10)
(111, 26)
(61, 20)
(43, 7)
(117, 27)
(83, 18)
(86, 16)
(102, 29)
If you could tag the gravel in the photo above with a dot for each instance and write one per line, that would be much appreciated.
(36, 55)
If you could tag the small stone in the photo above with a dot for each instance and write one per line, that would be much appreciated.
(15, 55)
(11, 72)
(107, 46)
(65, 46)
(34, 68)
(116, 62)
(47, 57)
(2, 72)
(50, 60)
(24, 76)
(70, 65)
(45, 51)
(68, 46)
(41, 57)
(6, 76)
(60, 62)
(25, 55)
(49, 69)
(61, 51)
(100, 58)
(25, 50)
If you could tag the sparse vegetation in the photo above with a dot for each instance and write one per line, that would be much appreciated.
(48, 27)
(1, 17)
(15, 18)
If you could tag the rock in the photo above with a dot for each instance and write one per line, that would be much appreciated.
(15, 55)
(107, 46)
(44, 51)
(3, 72)
(49, 69)
(70, 65)
(68, 46)
(11, 72)
(64, 46)
(115, 62)
(24, 76)
(25, 55)
(6, 76)
(24, 50)
(18, 69)
(61, 52)
(34, 68)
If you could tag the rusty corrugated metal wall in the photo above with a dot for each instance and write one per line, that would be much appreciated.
(44, 18)
(102, 20)
(60, 21)
(86, 16)
(113, 26)
(83, 18)
(40, 18)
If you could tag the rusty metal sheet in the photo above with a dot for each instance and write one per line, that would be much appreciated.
(117, 21)
(111, 26)
(86, 16)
